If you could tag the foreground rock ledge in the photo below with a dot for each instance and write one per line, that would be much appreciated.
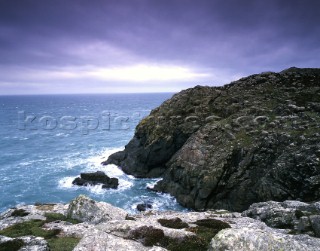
(100, 227)
(256, 139)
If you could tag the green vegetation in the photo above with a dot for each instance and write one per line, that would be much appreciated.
(299, 213)
(34, 227)
(20, 213)
(206, 229)
(150, 236)
(13, 245)
(175, 223)
(59, 217)
(63, 243)
(188, 243)
(147, 235)
(213, 224)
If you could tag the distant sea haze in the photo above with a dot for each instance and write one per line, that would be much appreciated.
(47, 141)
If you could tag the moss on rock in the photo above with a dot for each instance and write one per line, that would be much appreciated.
(59, 217)
(19, 213)
(175, 223)
(12, 245)
(34, 227)
(147, 235)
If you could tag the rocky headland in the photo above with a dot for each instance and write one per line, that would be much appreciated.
(254, 140)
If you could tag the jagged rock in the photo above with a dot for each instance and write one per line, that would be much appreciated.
(228, 147)
(96, 178)
(107, 228)
(85, 209)
(295, 215)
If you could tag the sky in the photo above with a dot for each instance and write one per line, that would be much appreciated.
(115, 46)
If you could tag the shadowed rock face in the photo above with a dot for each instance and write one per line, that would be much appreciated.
(253, 140)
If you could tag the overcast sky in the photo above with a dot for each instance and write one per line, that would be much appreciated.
(106, 46)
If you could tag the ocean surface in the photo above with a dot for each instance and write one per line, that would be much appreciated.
(47, 141)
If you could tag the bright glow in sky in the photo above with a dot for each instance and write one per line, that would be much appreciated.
(108, 46)
(142, 73)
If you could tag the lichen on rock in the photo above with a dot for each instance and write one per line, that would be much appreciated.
(85, 209)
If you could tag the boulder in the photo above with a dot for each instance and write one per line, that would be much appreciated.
(85, 209)
(246, 239)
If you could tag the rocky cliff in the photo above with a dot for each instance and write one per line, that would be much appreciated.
(85, 224)
(256, 139)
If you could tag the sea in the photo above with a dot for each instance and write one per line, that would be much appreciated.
(48, 140)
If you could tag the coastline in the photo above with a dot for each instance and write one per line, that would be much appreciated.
(85, 224)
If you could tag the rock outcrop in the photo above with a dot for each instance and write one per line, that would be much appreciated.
(254, 140)
(96, 178)
(104, 227)
(85, 209)
(298, 216)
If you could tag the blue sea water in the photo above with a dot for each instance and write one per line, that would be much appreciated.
(47, 141)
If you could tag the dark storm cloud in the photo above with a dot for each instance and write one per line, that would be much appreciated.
(215, 40)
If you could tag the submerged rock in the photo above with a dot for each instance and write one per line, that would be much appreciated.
(96, 178)
(143, 207)
(256, 139)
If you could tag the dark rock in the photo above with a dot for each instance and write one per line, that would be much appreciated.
(80, 182)
(96, 178)
(295, 215)
(19, 212)
(111, 183)
(147, 235)
(256, 139)
(143, 207)
(315, 224)
(175, 223)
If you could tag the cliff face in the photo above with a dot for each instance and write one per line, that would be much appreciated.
(253, 140)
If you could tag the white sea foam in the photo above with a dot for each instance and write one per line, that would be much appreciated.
(110, 170)
(124, 184)
(97, 189)
(61, 134)
(66, 182)
(153, 183)
(103, 155)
